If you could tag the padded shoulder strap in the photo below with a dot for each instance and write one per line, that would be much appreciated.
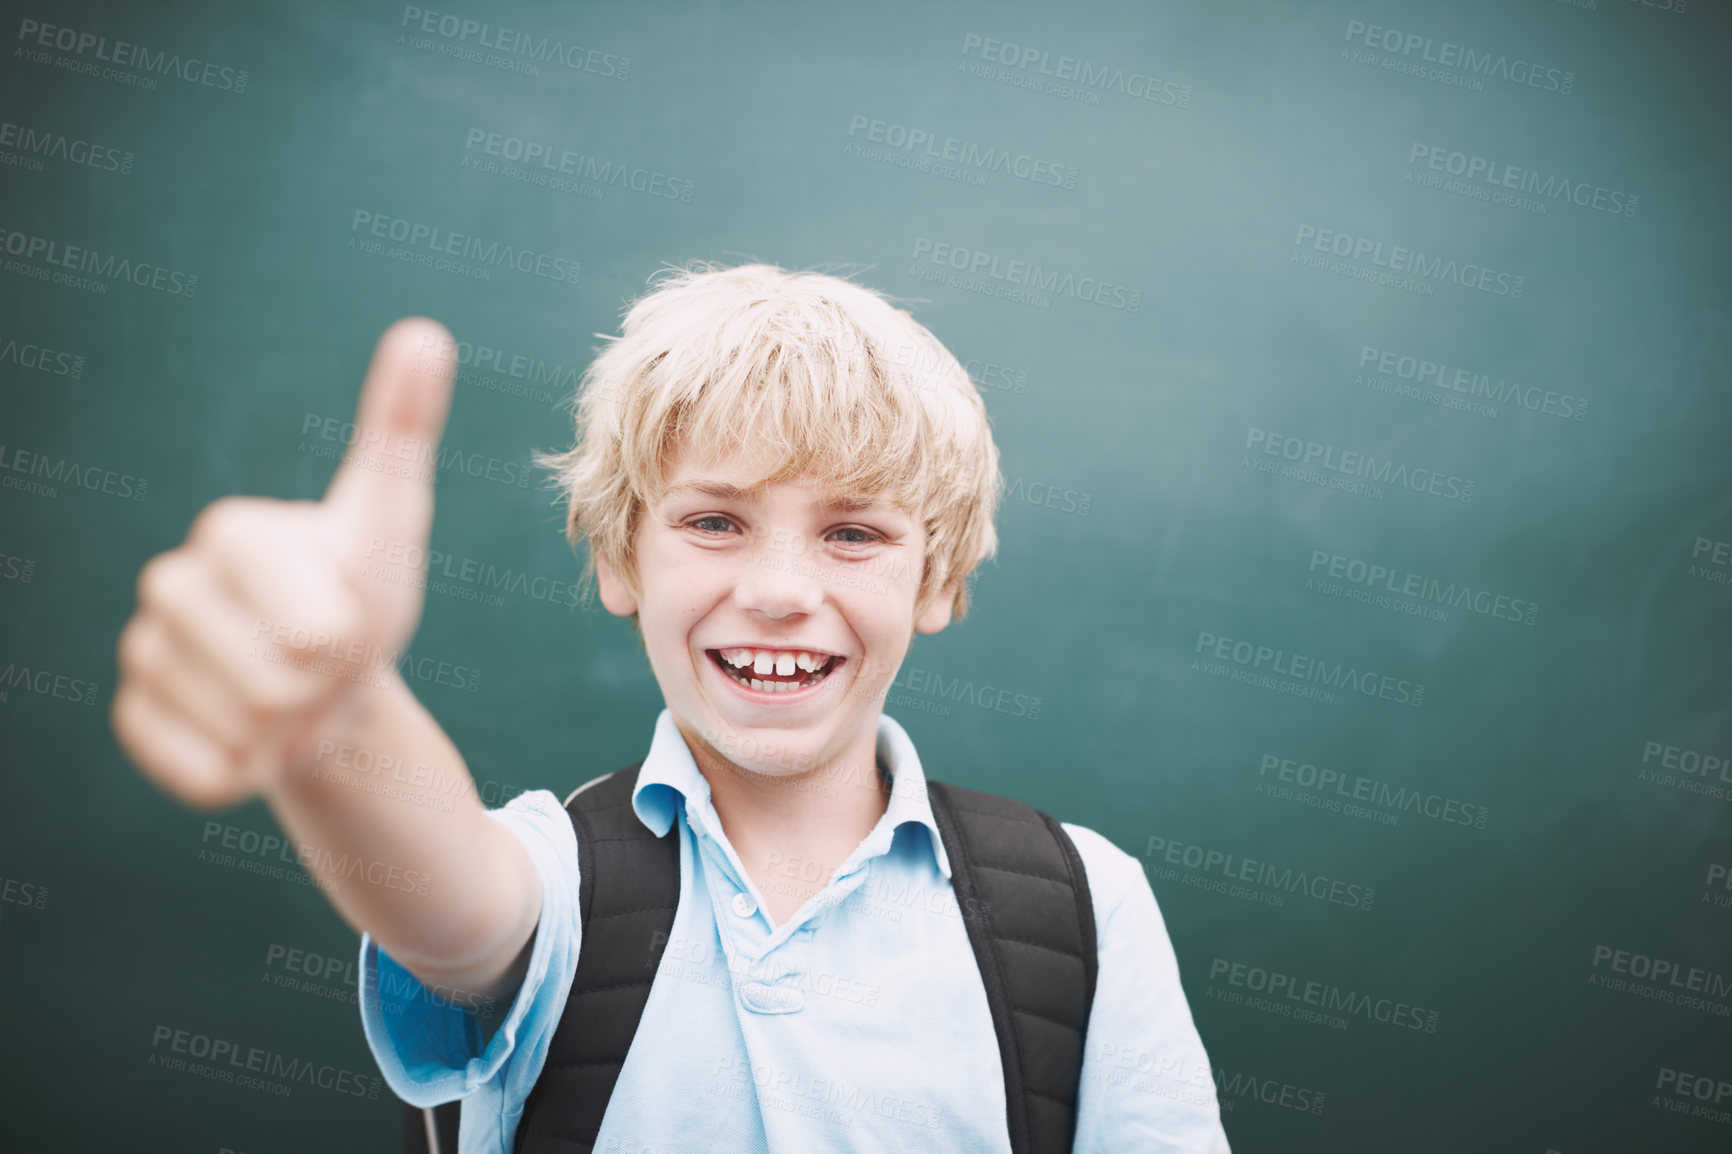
(629, 883)
(1030, 919)
(628, 888)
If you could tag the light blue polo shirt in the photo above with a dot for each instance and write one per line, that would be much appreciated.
(859, 1024)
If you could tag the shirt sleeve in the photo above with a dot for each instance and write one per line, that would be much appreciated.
(1146, 1081)
(429, 1050)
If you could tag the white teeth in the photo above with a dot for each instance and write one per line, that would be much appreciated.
(781, 662)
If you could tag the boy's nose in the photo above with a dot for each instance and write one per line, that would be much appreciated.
(778, 583)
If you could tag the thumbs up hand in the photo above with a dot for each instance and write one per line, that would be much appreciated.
(273, 616)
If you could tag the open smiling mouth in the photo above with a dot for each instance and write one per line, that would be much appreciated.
(775, 670)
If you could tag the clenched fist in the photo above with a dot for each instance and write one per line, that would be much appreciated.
(272, 616)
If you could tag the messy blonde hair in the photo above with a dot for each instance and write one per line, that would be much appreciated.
(843, 386)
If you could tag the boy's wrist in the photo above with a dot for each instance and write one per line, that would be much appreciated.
(337, 739)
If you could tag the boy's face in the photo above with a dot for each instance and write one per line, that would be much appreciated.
(809, 594)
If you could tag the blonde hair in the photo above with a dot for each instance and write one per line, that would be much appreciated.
(840, 384)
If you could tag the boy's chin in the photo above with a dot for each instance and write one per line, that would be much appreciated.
(774, 749)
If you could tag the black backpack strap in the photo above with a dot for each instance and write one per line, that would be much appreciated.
(1021, 886)
(628, 891)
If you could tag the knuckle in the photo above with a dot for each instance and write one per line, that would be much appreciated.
(169, 581)
(134, 652)
(223, 517)
(122, 717)
(156, 574)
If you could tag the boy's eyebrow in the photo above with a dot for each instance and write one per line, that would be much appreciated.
(843, 502)
(712, 489)
(848, 504)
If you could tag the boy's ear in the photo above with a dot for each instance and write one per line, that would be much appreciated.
(615, 597)
(936, 615)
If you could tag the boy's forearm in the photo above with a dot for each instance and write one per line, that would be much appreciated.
(384, 814)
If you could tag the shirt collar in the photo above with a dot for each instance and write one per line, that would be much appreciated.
(669, 776)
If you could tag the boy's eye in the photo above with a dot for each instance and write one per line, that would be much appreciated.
(847, 535)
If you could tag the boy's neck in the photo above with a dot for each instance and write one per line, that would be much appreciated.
(817, 816)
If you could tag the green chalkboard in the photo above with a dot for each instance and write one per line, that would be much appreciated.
(1360, 374)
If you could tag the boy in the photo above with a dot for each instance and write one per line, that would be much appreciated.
(781, 478)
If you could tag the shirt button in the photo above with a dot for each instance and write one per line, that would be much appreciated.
(744, 905)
